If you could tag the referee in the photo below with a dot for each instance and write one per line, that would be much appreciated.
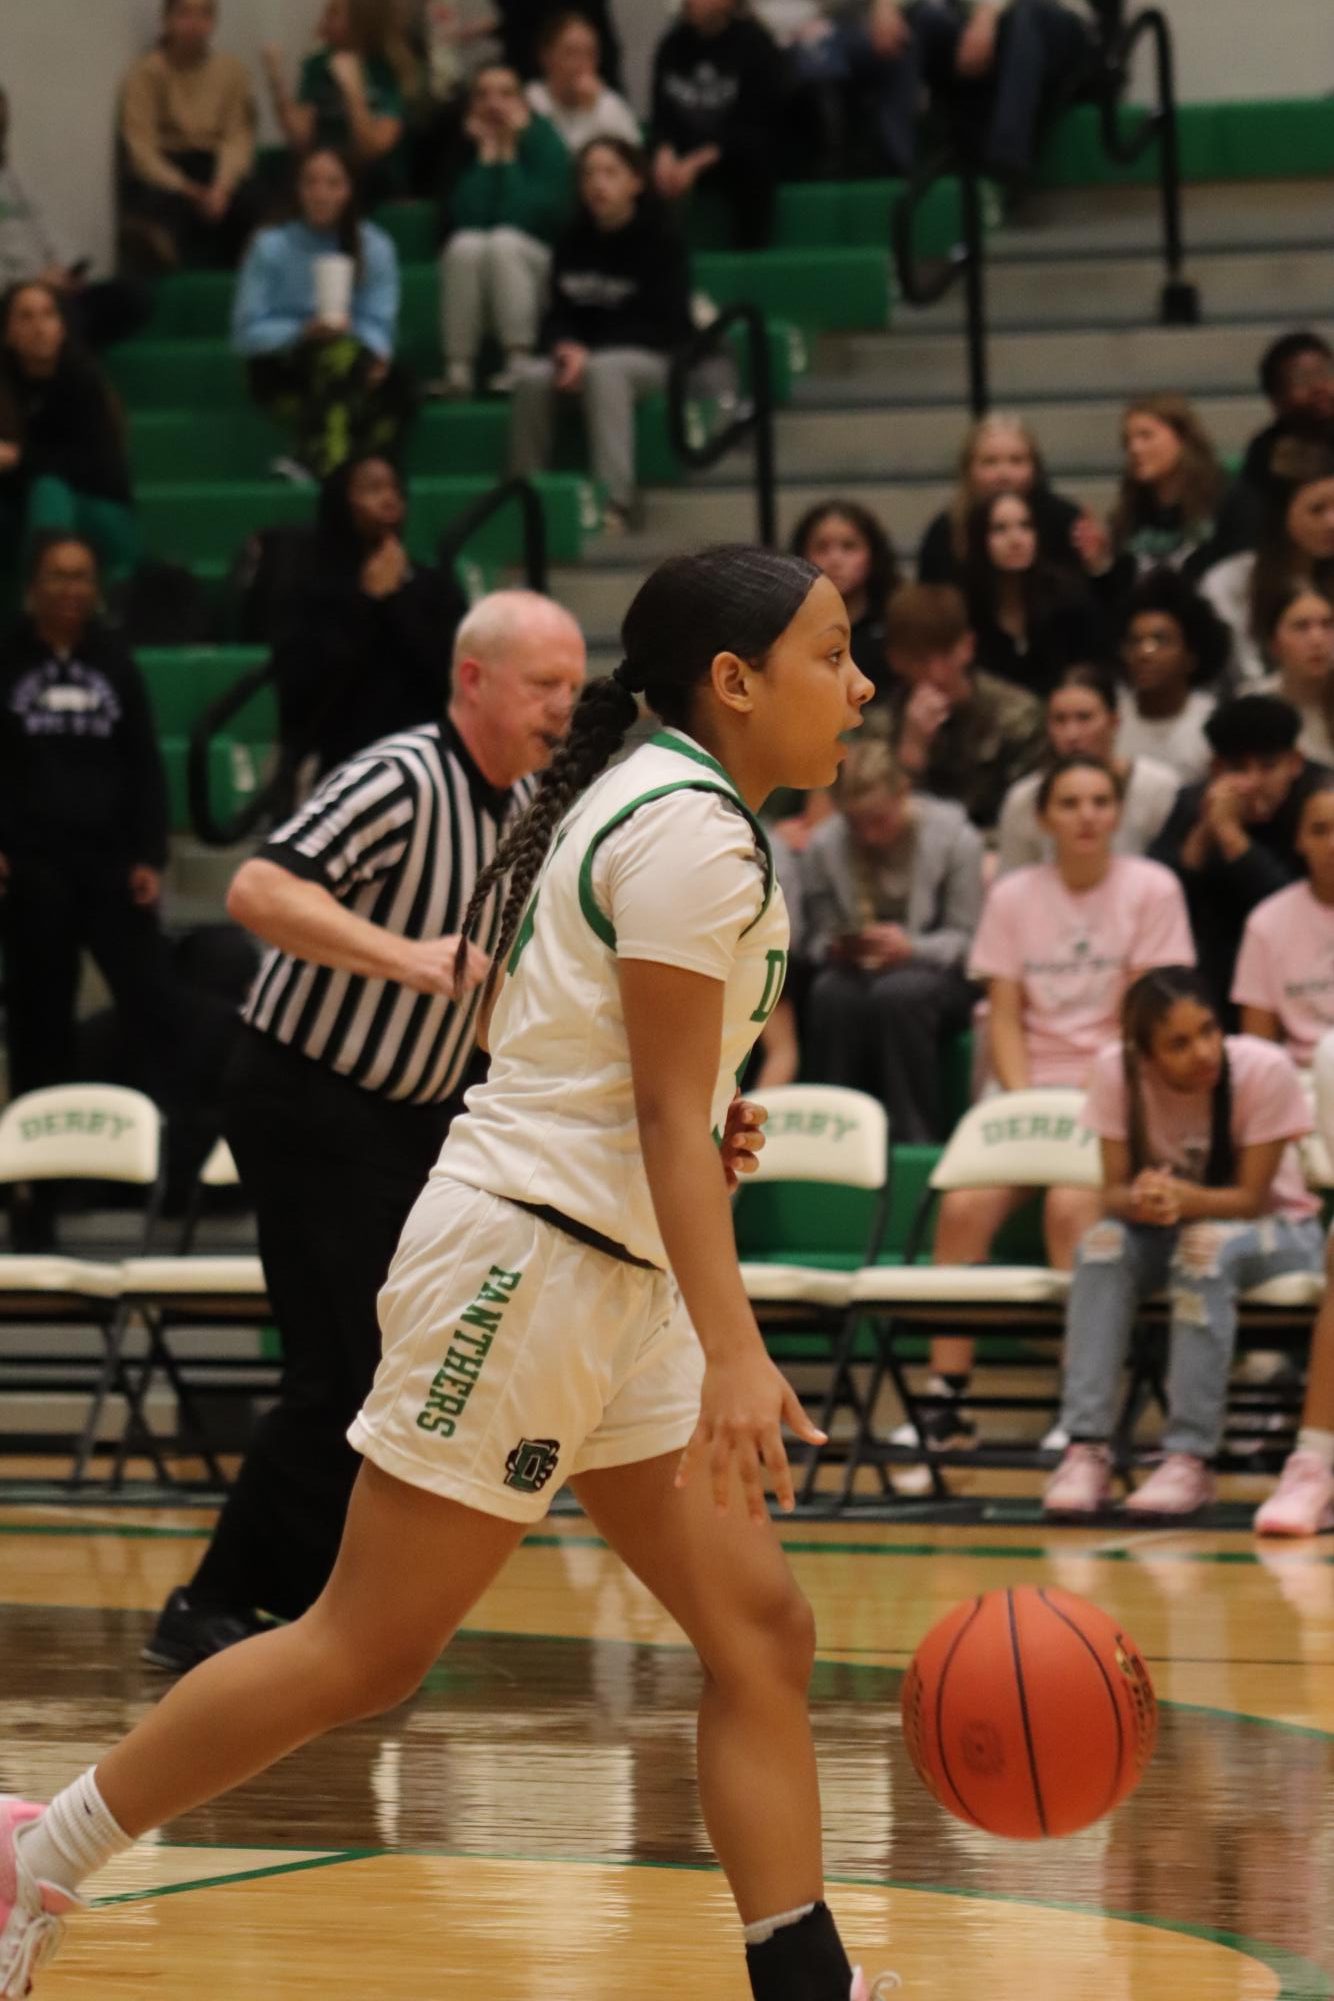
(354, 1061)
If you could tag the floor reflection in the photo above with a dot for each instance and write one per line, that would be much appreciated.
(583, 1749)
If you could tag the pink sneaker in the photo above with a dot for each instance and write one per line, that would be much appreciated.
(31, 1913)
(874, 1990)
(1303, 1501)
(1181, 1486)
(1081, 1484)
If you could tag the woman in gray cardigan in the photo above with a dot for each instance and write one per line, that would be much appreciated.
(892, 892)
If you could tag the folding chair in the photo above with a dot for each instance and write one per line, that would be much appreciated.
(824, 1147)
(193, 1288)
(1032, 1139)
(91, 1133)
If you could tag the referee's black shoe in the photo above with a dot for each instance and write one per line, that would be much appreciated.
(186, 1634)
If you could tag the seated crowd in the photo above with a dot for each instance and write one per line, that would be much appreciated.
(1090, 818)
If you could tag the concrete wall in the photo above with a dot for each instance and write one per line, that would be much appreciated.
(64, 108)
(60, 61)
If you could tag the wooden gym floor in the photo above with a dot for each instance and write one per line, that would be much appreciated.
(527, 1825)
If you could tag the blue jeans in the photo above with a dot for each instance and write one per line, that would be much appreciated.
(845, 56)
(1203, 1267)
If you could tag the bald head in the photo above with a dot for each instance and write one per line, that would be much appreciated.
(519, 663)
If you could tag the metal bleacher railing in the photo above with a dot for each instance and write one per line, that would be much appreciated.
(271, 798)
(1116, 40)
(751, 415)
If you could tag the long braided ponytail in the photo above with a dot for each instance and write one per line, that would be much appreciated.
(728, 599)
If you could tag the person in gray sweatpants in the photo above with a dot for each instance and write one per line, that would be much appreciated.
(620, 302)
(1205, 1198)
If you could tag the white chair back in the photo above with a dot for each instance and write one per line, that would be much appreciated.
(822, 1132)
(88, 1132)
(1022, 1139)
(219, 1170)
(1317, 1165)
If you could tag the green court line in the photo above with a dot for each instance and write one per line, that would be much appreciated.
(242, 1876)
(1018, 1552)
(1299, 1979)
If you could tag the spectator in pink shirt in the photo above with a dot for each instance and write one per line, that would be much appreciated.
(1058, 946)
(1302, 1504)
(1203, 1197)
(1284, 983)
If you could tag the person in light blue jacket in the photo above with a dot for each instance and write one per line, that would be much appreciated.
(320, 352)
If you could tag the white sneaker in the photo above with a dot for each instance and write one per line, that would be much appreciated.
(454, 385)
(31, 1913)
(1303, 1501)
(288, 468)
(872, 1990)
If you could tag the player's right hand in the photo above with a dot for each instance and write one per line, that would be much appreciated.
(428, 966)
(744, 1403)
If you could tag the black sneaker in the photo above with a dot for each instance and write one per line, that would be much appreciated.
(947, 1427)
(185, 1634)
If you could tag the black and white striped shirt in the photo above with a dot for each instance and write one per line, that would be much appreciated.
(399, 834)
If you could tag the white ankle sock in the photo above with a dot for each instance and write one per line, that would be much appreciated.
(764, 1928)
(1319, 1442)
(75, 1836)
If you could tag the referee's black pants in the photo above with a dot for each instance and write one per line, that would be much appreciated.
(332, 1172)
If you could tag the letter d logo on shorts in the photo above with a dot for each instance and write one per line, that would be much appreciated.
(531, 1464)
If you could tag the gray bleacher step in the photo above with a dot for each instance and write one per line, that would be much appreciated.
(690, 515)
(927, 368)
(597, 595)
(1078, 438)
(198, 878)
(1219, 214)
(1075, 291)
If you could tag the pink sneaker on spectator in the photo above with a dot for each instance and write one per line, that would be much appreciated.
(1303, 1501)
(30, 1912)
(1081, 1484)
(1181, 1486)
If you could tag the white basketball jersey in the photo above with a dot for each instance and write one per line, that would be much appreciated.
(664, 842)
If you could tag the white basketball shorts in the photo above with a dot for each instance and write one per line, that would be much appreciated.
(515, 1356)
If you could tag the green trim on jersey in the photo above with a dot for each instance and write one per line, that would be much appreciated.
(601, 924)
(664, 740)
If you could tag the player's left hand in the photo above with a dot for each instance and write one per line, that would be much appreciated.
(744, 1403)
(742, 1139)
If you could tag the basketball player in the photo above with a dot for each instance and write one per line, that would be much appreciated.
(532, 1333)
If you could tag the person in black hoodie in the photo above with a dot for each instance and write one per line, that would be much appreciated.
(83, 829)
(718, 85)
(620, 302)
(1031, 618)
(365, 648)
(1232, 839)
(62, 454)
(1297, 376)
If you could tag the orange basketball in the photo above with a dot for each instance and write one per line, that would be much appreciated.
(1029, 1712)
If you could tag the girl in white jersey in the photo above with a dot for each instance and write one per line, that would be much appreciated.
(565, 1302)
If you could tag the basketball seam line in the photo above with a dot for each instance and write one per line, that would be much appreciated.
(1107, 1683)
(1023, 1712)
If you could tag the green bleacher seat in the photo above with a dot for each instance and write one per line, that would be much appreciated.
(192, 374)
(414, 227)
(183, 680)
(202, 521)
(1245, 139)
(813, 288)
(236, 772)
